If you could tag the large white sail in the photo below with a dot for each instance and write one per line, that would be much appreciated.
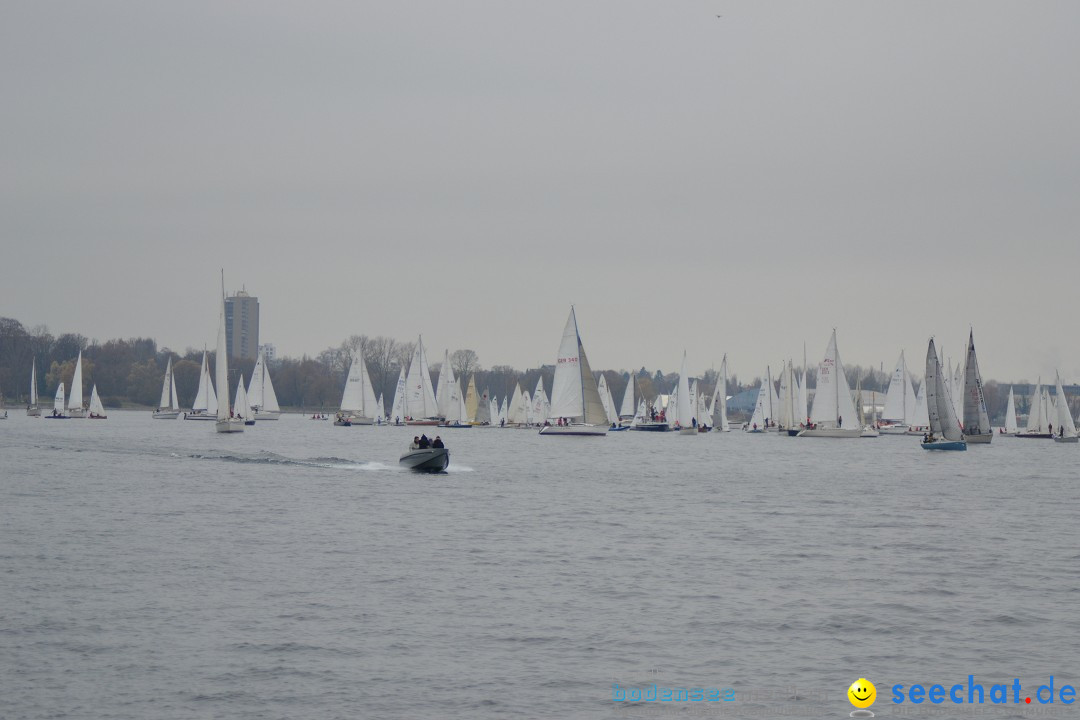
(260, 393)
(483, 409)
(627, 408)
(352, 398)
(1010, 414)
(921, 418)
(789, 398)
(221, 366)
(761, 406)
(896, 409)
(516, 411)
(938, 402)
(33, 385)
(397, 411)
(976, 419)
(833, 406)
(96, 407)
(444, 394)
(720, 404)
(1036, 412)
(567, 398)
(202, 397)
(461, 415)
(242, 406)
(166, 388)
(75, 398)
(1066, 426)
(685, 410)
(58, 401)
(472, 401)
(602, 389)
(420, 399)
(380, 412)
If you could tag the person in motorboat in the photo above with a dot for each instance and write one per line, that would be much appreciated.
(415, 443)
(437, 442)
(424, 443)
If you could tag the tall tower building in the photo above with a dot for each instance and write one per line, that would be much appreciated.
(242, 325)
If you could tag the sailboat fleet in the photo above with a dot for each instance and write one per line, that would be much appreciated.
(948, 410)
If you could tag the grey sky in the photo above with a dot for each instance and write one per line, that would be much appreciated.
(466, 170)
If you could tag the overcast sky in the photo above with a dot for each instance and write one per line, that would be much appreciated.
(466, 170)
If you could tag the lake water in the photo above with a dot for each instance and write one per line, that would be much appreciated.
(156, 569)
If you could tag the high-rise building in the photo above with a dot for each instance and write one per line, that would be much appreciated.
(242, 325)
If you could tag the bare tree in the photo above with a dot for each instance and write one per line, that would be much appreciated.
(464, 362)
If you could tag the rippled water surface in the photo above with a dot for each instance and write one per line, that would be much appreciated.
(156, 569)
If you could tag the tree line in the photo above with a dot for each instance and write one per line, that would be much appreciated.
(130, 372)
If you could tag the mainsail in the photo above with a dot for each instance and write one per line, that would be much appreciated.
(574, 393)
(938, 402)
(420, 399)
(976, 419)
(260, 392)
(833, 406)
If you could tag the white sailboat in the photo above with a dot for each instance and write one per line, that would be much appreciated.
(397, 410)
(1010, 414)
(921, 420)
(869, 430)
(758, 422)
(421, 408)
(58, 405)
(720, 420)
(75, 406)
(833, 413)
(628, 408)
(241, 406)
(606, 400)
(169, 405)
(684, 418)
(32, 410)
(516, 413)
(541, 404)
(1066, 427)
(701, 410)
(461, 417)
(97, 411)
(976, 420)
(789, 420)
(945, 432)
(227, 422)
(575, 399)
(205, 405)
(358, 399)
(260, 392)
(472, 402)
(1038, 424)
(899, 410)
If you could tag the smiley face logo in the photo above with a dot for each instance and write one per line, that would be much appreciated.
(862, 693)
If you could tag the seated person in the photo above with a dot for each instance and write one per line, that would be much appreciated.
(437, 443)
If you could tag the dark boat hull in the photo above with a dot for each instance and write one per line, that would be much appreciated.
(651, 427)
(426, 460)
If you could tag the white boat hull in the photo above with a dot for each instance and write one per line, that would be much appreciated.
(1070, 439)
(166, 414)
(893, 429)
(76, 413)
(587, 430)
(267, 415)
(199, 415)
(688, 431)
(980, 439)
(33, 412)
(230, 425)
(870, 432)
(831, 433)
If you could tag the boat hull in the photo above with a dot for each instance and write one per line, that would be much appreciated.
(229, 425)
(201, 415)
(980, 439)
(166, 414)
(652, 427)
(267, 415)
(459, 426)
(945, 445)
(422, 422)
(831, 433)
(688, 431)
(1037, 436)
(33, 412)
(583, 430)
(869, 432)
(619, 428)
(57, 417)
(893, 429)
(76, 412)
(426, 460)
(1072, 439)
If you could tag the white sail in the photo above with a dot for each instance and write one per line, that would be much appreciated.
(202, 397)
(939, 404)
(1064, 415)
(684, 410)
(627, 407)
(790, 412)
(166, 388)
(602, 389)
(540, 403)
(574, 393)
(1048, 411)
(397, 410)
(516, 411)
(976, 419)
(242, 406)
(380, 412)
(96, 407)
(420, 399)
(493, 409)
(526, 401)
(896, 408)
(352, 398)
(444, 394)
(260, 393)
(461, 414)
(472, 401)
(1010, 414)
(483, 409)
(642, 413)
(221, 366)
(33, 385)
(58, 401)
(921, 417)
(774, 398)
(720, 404)
(702, 414)
(1036, 412)
(833, 406)
(75, 399)
(761, 406)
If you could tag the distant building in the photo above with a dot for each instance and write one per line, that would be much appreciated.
(242, 325)
(269, 351)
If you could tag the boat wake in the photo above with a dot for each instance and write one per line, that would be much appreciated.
(269, 458)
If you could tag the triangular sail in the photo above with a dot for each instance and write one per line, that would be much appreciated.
(567, 398)
(594, 409)
(221, 366)
(833, 406)
(397, 410)
(1064, 415)
(684, 410)
(896, 397)
(75, 399)
(976, 419)
(483, 409)
(260, 393)
(242, 406)
(95, 402)
(471, 400)
(166, 387)
(939, 404)
(444, 395)
(33, 385)
(602, 389)
(761, 406)
(627, 407)
(1036, 412)
(202, 396)
(58, 401)
(352, 398)
(1010, 414)
(720, 405)
(462, 411)
(540, 403)
(516, 411)
(420, 398)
